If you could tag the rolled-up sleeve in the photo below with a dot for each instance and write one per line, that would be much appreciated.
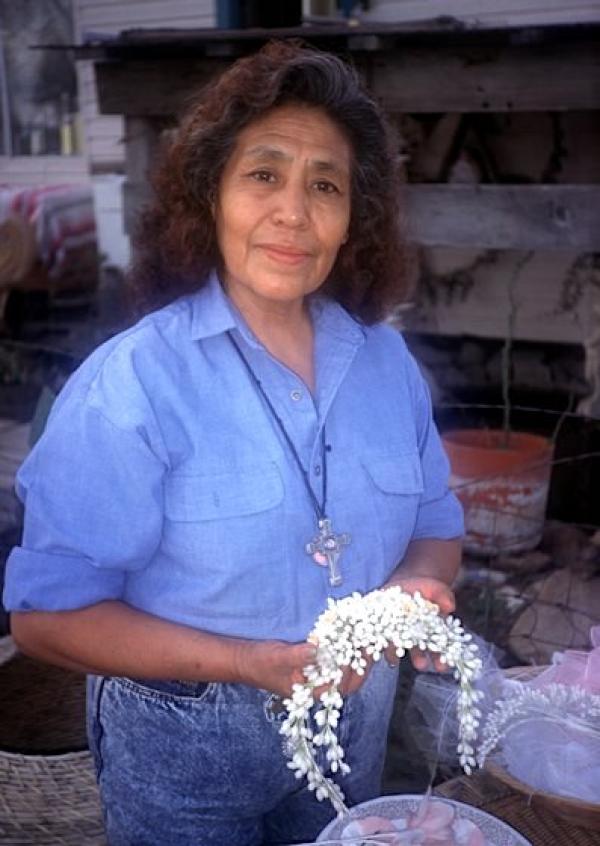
(93, 511)
(440, 513)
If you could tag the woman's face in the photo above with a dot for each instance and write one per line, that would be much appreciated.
(283, 207)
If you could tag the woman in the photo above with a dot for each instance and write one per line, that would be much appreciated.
(178, 504)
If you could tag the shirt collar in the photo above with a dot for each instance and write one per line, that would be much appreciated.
(213, 313)
(329, 316)
(211, 310)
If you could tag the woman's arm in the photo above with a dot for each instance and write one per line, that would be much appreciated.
(112, 638)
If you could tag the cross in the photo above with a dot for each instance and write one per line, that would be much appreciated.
(326, 548)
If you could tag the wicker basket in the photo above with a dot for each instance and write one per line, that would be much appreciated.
(8, 649)
(574, 811)
(48, 792)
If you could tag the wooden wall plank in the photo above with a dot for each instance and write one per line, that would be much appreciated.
(417, 80)
(521, 217)
(482, 79)
(151, 88)
(482, 306)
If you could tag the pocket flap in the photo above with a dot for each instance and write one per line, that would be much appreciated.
(247, 490)
(396, 474)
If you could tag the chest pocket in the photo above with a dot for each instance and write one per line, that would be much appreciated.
(224, 533)
(396, 490)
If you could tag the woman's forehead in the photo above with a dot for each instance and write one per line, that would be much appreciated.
(287, 131)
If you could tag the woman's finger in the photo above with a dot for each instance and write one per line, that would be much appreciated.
(446, 601)
(391, 657)
(419, 659)
(424, 661)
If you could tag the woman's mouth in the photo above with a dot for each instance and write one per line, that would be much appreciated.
(285, 255)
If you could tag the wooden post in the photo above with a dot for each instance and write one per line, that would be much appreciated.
(591, 405)
(142, 137)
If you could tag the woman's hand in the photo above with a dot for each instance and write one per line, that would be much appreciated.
(429, 566)
(437, 592)
(276, 666)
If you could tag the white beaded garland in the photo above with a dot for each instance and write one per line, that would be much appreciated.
(347, 633)
(560, 703)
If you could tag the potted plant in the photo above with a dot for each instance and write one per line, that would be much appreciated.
(501, 476)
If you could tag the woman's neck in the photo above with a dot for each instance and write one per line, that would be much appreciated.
(285, 329)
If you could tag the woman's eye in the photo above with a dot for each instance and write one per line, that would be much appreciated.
(263, 176)
(326, 187)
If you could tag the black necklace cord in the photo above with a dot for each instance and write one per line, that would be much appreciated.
(318, 507)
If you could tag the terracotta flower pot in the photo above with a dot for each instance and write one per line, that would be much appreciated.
(502, 485)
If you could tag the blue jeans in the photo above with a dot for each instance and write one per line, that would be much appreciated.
(197, 764)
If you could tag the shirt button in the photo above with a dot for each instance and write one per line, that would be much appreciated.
(317, 469)
(296, 395)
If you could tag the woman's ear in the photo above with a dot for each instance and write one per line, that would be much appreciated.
(212, 202)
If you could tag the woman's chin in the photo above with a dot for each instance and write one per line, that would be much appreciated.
(274, 287)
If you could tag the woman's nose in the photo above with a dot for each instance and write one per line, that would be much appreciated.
(291, 208)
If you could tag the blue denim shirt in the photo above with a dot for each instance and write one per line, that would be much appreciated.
(162, 479)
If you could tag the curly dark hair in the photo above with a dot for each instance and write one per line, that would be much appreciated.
(176, 244)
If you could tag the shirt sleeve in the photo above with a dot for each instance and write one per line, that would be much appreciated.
(440, 513)
(93, 500)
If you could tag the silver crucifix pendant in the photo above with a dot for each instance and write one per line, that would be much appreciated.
(326, 548)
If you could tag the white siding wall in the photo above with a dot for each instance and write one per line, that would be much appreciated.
(43, 170)
(103, 133)
(487, 12)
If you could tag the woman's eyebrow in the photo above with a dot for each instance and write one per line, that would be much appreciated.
(329, 166)
(265, 153)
